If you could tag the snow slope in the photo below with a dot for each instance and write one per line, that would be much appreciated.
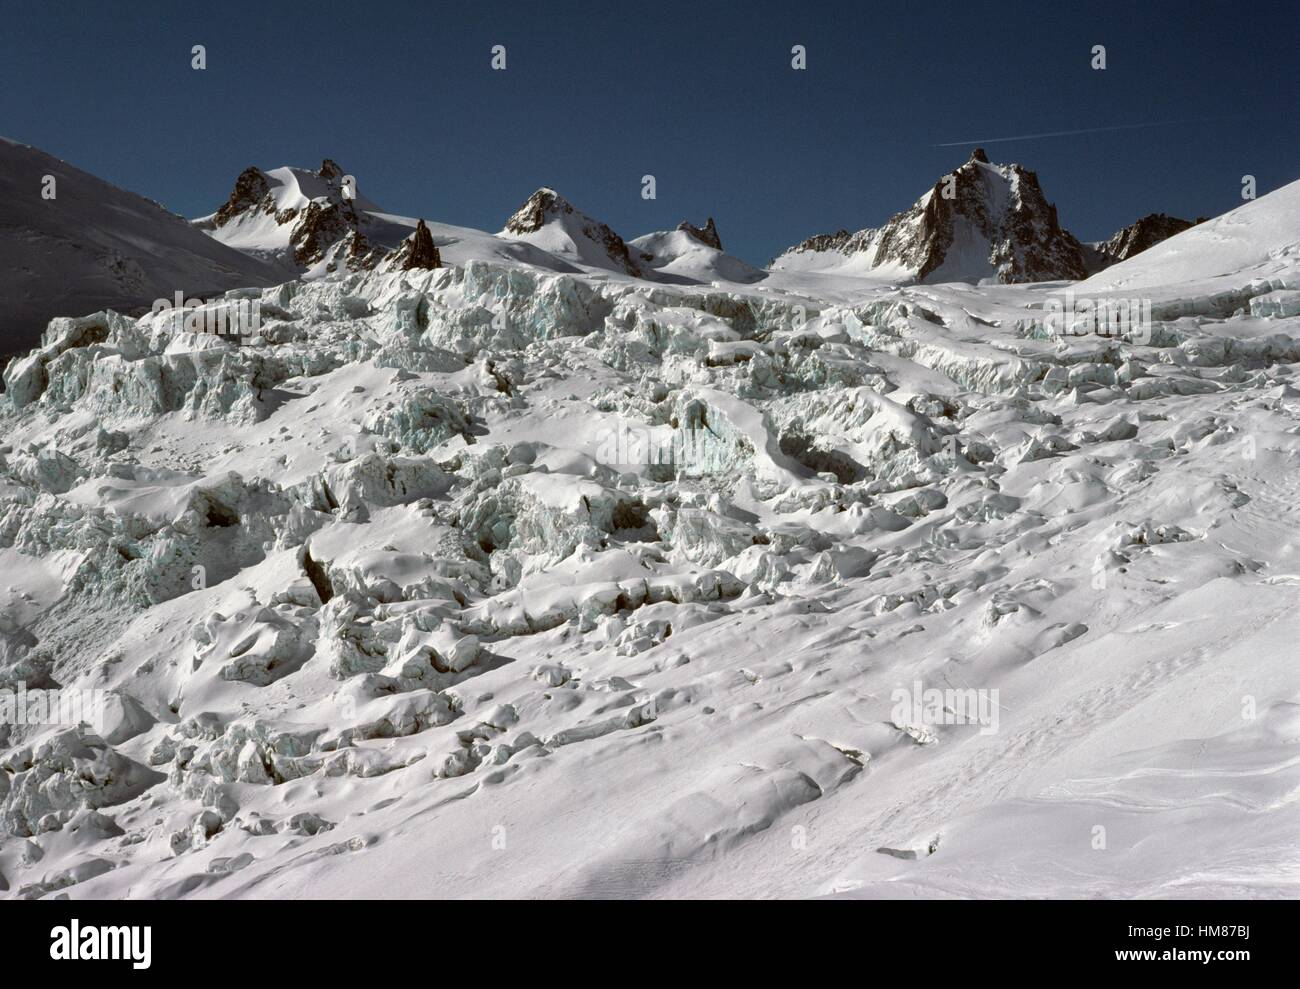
(549, 221)
(497, 580)
(677, 255)
(95, 245)
(1259, 239)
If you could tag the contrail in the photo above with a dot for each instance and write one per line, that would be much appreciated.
(1071, 133)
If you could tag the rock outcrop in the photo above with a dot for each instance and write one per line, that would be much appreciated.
(706, 235)
(1141, 235)
(552, 222)
(418, 250)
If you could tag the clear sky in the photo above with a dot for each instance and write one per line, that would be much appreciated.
(701, 95)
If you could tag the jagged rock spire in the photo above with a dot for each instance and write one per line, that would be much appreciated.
(708, 235)
(422, 253)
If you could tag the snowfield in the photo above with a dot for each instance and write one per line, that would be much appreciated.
(402, 596)
(94, 245)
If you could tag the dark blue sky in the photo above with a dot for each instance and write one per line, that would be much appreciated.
(700, 94)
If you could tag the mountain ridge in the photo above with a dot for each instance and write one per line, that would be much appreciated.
(95, 245)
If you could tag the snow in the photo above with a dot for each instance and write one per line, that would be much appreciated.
(676, 255)
(1259, 238)
(380, 617)
(95, 245)
(570, 234)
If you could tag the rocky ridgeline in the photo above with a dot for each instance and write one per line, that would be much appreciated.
(999, 212)
(1000, 207)
(1137, 237)
(327, 229)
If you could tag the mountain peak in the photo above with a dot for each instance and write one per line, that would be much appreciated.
(550, 221)
(251, 188)
(982, 220)
(706, 235)
(542, 205)
(300, 217)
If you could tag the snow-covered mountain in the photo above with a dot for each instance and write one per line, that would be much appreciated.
(687, 255)
(982, 221)
(691, 254)
(306, 220)
(93, 246)
(302, 220)
(551, 222)
(524, 575)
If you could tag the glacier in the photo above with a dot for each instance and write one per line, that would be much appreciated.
(377, 612)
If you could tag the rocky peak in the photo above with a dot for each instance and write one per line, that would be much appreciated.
(1141, 235)
(706, 235)
(546, 206)
(539, 207)
(327, 227)
(251, 191)
(982, 220)
(418, 250)
(322, 225)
